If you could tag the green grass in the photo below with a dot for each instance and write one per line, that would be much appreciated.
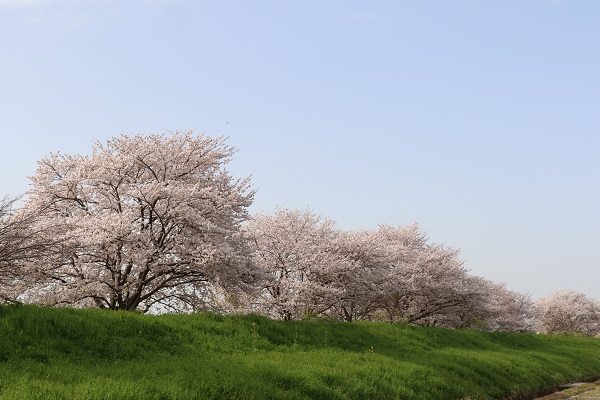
(93, 354)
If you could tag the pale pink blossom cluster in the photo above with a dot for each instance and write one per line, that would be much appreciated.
(570, 312)
(136, 220)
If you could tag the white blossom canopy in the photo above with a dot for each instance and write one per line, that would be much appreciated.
(138, 218)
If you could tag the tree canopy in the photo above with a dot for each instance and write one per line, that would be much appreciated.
(137, 219)
(156, 222)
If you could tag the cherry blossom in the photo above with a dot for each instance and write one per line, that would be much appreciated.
(139, 218)
(570, 312)
(295, 252)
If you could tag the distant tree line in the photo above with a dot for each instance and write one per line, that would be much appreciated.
(156, 223)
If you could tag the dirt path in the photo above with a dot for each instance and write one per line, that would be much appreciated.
(587, 391)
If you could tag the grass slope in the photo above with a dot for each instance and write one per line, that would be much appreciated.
(94, 354)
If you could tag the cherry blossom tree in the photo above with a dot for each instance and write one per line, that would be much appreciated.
(568, 312)
(426, 283)
(360, 285)
(507, 310)
(138, 220)
(11, 239)
(20, 243)
(295, 252)
(14, 245)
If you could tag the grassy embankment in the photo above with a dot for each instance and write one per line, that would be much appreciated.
(94, 354)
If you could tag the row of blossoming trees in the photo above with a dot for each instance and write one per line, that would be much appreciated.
(156, 222)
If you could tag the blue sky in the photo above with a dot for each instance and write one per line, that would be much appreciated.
(477, 119)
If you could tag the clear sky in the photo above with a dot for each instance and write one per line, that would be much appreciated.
(480, 120)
